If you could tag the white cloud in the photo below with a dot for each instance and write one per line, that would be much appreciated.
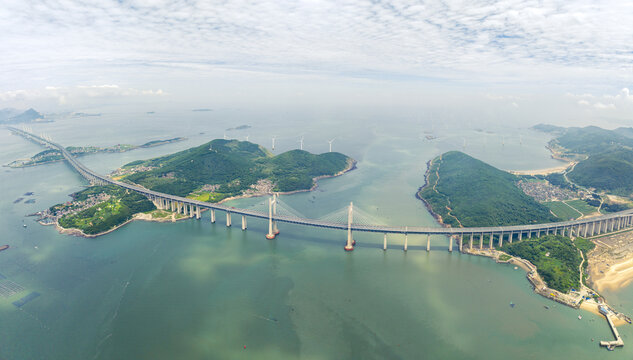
(513, 40)
(601, 106)
(584, 103)
(63, 94)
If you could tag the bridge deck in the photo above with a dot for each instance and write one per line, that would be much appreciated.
(84, 171)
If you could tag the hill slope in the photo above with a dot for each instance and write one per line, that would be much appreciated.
(464, 190)
(610, 171)
(230, 167)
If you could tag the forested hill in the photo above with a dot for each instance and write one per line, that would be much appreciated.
(464, 190)
(610, 171)
(230, 167)
(590, 139)
(607, 161)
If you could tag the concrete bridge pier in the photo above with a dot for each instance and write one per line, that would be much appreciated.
(428, 242)
(492, 238)
(171, 205)
(228, 219)
(243, 222)
(481, 241)
(501, 240)
(461, 243)
(406, 239)
(197, 212)
(212, 216)
(191, 210)
(384, 243)
(585, 228)
(510, 237)
(450, 243)
(520, 235)
(470, 242)
(593, 228)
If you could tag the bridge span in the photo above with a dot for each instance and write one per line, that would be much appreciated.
(475, 235)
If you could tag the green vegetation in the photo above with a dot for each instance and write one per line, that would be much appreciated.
(473, 193)
(557, 259)
(592, 140)
(562, 210)
(504, 257)
(230, 167)
(583, 206)
(104, 215)
(610, 171)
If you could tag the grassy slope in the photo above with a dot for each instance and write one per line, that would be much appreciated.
(234, 166)
(561, 210)
(479, 194)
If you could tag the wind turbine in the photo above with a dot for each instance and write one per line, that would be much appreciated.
(273, 143)
(330, 142)
(301, 143)
(224, 136)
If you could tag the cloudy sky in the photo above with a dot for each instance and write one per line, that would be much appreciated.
(65, 52)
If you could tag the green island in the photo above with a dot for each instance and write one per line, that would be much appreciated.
(99, 209)
(462, 191)
(465, 192)
(221, 169)
(557, 258)
(211, 172)
(54, 155)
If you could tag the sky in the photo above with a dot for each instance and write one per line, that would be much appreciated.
(572, 57)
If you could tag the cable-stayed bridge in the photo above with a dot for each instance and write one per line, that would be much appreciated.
(349, 218)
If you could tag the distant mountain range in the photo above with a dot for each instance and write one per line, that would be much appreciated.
(14, 116)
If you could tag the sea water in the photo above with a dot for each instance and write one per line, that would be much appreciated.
(196, 290)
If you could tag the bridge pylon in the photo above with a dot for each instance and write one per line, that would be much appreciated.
(350, 216)
(271, 232)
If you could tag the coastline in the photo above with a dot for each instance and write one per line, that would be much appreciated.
(538, 284)
(436, 216)
(137, 216)
(351, 165)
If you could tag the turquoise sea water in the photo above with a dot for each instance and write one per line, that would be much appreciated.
(196, 290)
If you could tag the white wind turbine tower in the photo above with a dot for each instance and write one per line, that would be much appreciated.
(301, 143)
(330, 142)
(247, 136)
(224, 136)
(273, 143)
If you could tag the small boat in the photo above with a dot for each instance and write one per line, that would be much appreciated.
(511, 304)
(23, 225)
(579, 317)
(4, 247)
(545, 306)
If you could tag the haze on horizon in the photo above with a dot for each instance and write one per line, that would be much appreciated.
(565, 62)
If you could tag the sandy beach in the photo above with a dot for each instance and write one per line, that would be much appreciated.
(547, 171)
(616, 276)
(611, 262)
(593, 308)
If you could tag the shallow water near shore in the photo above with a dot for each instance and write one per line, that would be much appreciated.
(196, 290)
